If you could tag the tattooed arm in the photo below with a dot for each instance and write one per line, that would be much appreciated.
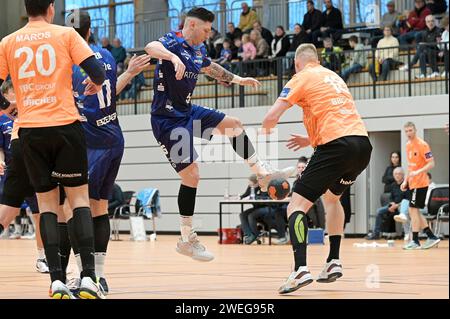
(221, 74)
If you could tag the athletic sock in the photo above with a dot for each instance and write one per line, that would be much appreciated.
(244, 148)
(50, 239)
(416, 237)
(74, 244)
(83, 229)
(186, 204)
(64, 246)
(335, 245)
(429, 233)
(102, 232)
(298, 230)
(41, 253)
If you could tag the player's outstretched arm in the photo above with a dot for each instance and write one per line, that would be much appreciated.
(273, 115)
(157, 50)
(136, 65)
(221, 74)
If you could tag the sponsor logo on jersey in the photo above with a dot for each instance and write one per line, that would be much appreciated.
(161, 88)
(428, 155)
(285, 92)
(343, 182)
(107, 119)
(186, 55)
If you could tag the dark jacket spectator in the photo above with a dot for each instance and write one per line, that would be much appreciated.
(116, 200)
(312, 20)
(332, 18)
(106, 45)
(118, 51)
(265, 33)
(388, 176)
(437, 6)
(233, 33)
(214, 44)
(332, 25)
(300, 37)
(280, 43)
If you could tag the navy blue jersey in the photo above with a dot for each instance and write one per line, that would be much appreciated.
(6, 127)
(172, 98)
(98, 112)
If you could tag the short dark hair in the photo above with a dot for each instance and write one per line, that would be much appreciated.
(353, 38)
(302, 159)
(84, 22)
(280, 27)
(36, 8)
(6, 87)
(310, 2)
(202, 14)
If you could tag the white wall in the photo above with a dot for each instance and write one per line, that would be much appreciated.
(144, 164)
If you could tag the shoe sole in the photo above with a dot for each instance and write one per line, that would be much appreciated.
(400, 220)
(331, 278)
(304, 284)
(60, 295)
(88, 294)
(194, 257)
(434, 244)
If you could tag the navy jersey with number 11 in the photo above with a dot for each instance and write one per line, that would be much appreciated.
(98, 112)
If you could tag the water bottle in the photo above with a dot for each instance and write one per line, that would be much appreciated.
(252, 193)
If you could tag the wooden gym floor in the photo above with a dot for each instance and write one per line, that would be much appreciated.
(154, 270)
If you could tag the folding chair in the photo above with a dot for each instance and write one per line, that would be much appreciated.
(122, 212)
(437, 201)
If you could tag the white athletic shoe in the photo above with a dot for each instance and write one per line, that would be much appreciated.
(194, 249)
(331, 272)
(433, 75)
(401, 218)
(296, 280)
(264, 180)
(420, 77)
(443, 74)
(412, 245)
(42, 266)
(74, 285)
(404, 67)
(15, 235)
(58, 290)
(29, 236)
(430, 243)
(90, 289)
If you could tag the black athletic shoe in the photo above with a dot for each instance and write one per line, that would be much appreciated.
(103, 285)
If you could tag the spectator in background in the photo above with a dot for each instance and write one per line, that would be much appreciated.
(331, 56)
(248, 18)
(396, 197)
(312, 20)
(388, 176)
(131, 91)
(385, 59)
(300, 36)
(437, 6)
(248, 48)
(116, 200)
(427, 50)
(118, 51)
(443, 46)
(106, 45)
(214, 44)
(390, 18)
(331, 23)
(237, 49)
(358, 58)
(233, 33)
(415, 23)
(280, 43)
(225, 55)
(265, 33)
(262, 48)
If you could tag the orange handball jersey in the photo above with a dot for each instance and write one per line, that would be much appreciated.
(419, 154)
(329, 110)
(39, 59)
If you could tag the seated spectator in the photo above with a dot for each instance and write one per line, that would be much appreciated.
(443, 46)
(331, 55)
(233, 33)
(225, 54)
(358, 58)
(332, 25)
(388, 176)
(390, 18)
(386, 59)
(312, 20)
(300, 36)
(131, 91)
(118, 51)
(280, 43)
(116, 200)
(262, 47)
(214, 44)
(415, 23)
(106, 45)
(427, 50)
(397, 196)
(248, 48)
(238, 48)
(437, 6)
(248, 18)
(265, 33)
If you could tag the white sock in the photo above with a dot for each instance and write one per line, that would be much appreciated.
(256, 165)
(79, 263)
(41, 253)
(186, 227)
(100, 265)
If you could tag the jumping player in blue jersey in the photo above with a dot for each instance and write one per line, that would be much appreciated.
(182, 57)
(104, 138)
